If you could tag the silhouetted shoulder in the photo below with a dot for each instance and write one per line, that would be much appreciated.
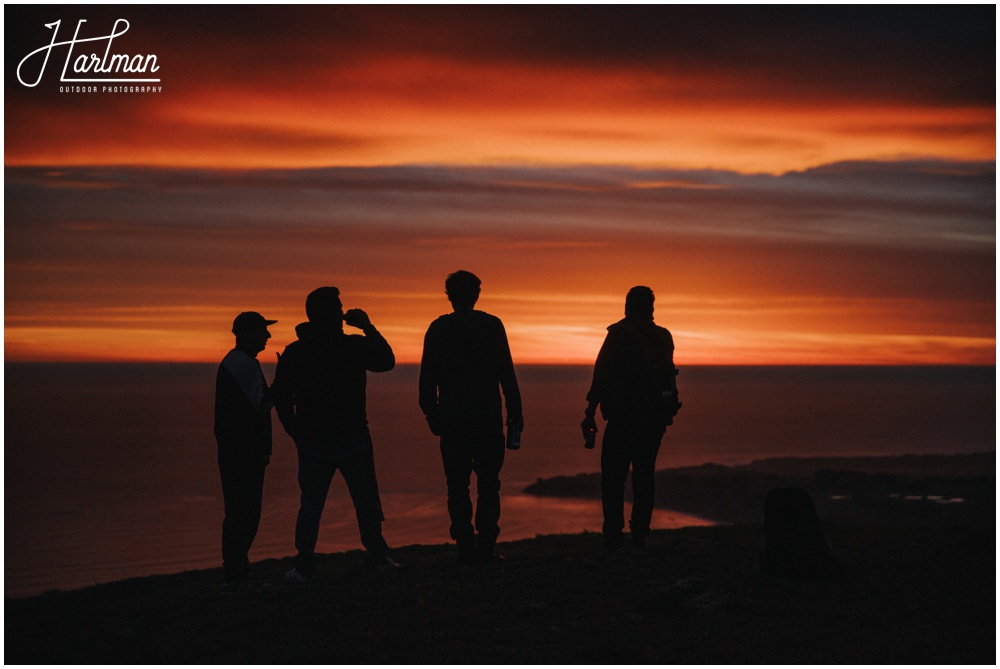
(461, 320)
(490, 318)
(439, 322)
(625, 328)
(487, 320)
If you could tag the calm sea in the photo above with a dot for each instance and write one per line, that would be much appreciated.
(110, 469)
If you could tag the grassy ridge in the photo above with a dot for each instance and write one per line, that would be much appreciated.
(910, 595)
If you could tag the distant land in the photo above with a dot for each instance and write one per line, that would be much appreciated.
(892, 490)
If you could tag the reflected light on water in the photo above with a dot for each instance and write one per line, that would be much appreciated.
(411, 519)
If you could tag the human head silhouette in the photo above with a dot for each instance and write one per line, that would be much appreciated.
(251, 332)
(639, 303)
(463, 289)
(324, 308)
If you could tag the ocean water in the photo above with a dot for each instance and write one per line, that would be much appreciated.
(110, 470)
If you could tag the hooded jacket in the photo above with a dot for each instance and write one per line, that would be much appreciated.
(321, 380)
(634, 369)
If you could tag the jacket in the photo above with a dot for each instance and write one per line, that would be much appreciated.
(242, 405)
(466, 363)
(321, 381)
(634, 376)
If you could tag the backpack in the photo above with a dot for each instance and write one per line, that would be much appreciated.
(657, 373)
(794, 543)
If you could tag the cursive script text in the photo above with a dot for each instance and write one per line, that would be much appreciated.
(92, 64)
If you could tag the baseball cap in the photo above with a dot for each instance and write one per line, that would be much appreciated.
(250, 321)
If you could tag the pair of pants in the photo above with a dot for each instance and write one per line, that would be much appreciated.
(627, 443)
(319, 460)
(466, 449)
(242, 476)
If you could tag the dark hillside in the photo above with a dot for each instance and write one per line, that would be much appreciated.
(909, 596)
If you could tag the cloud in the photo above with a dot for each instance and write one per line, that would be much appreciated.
(743, 88)
(797, 183)
(853, 250)
(928, 53)
(920, 203)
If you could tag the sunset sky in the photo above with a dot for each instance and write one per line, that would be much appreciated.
(797, 185)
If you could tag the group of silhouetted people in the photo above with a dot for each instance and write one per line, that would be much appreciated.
(319, 393)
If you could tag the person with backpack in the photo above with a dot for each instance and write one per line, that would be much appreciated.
(635, 386)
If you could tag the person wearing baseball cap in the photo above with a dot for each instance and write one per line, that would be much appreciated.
(250, 322)
(243, 434)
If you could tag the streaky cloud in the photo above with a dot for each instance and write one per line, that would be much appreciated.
(918, 202)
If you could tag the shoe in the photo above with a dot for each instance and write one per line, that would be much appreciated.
(296, 577)
(491, 558)
(244, 587)
(467, 553)
(613, 541)
(384, 562)
(638, 534)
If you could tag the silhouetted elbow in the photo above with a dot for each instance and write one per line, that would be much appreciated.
(383, 364)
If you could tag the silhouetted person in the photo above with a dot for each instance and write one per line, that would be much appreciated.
(634, 384)
(466, 362)
(243, 434)
(319, 393)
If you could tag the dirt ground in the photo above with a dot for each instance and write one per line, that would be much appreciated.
(694, 595)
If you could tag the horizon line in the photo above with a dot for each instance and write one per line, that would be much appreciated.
(530, 364)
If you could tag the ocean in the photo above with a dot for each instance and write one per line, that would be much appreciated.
(110, 469)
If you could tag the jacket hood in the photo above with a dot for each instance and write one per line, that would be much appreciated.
(632, 324)
(308, 330)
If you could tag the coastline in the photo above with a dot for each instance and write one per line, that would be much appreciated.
(906, 490)
(687, 496)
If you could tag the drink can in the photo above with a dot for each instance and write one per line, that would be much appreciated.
(513, 437)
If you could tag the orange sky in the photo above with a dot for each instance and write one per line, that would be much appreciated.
(499, 114)
(798, 186)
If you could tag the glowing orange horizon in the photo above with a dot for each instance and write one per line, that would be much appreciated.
(571, 337)
(86, 345)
